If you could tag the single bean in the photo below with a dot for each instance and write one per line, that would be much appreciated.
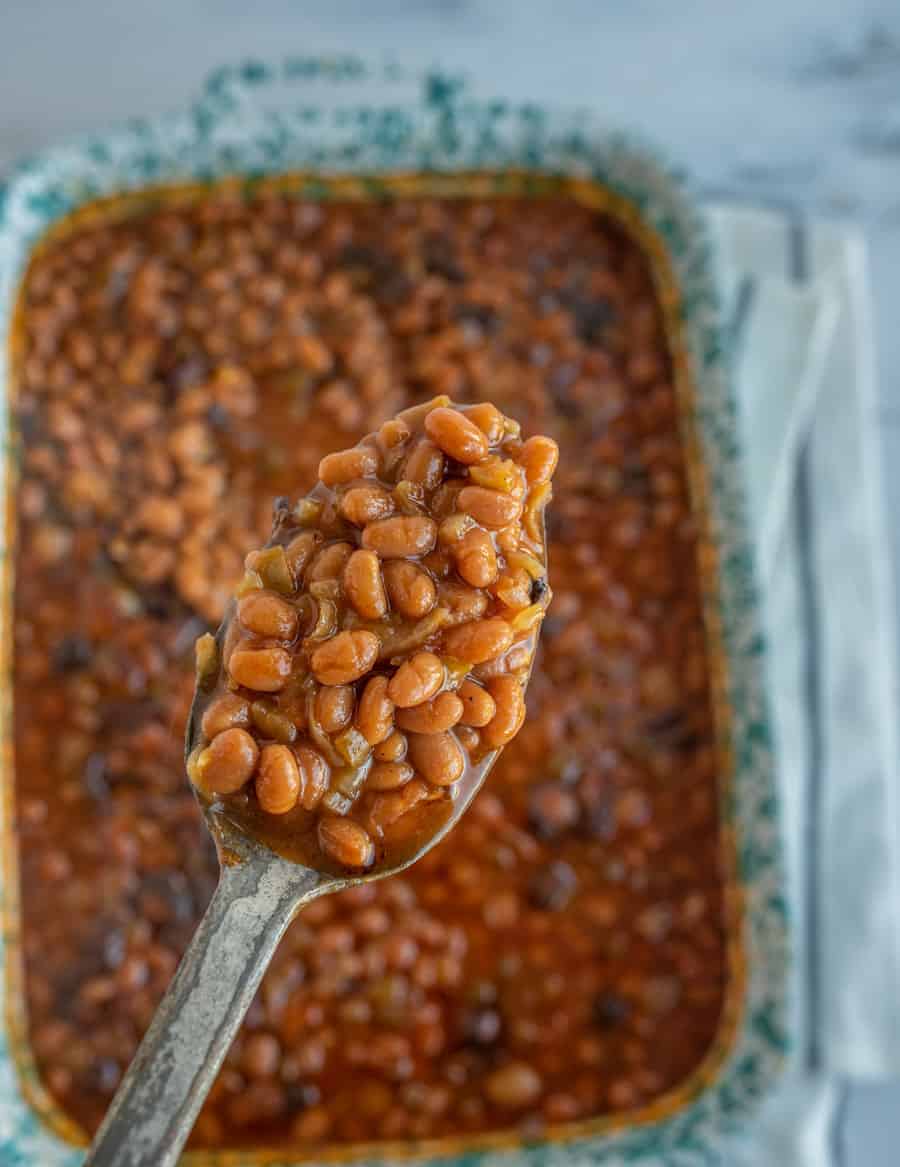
(435, 716)
(348, 465)
(271, 722)
(489, 507)
(468, 737)
(400, 537)
(346, 842)
(392, 749)
(475, 558)
(301, 549)
(277, 780)
(478, 705)
(226, 712)
(365, 504)
(456, 435)
(489, 420)
(364, 586)
(513, 1086)
(227, 763)
(261, 1056)
(463, 603)
(414, 415)
(417, 680)
(425, 465)
(345, 657)
(265, 614)
(507, 721)
(391, 806)
(393, 433)
(410, 589)
(314, 776)
(264, 669)
(538, 458)
(330, 562)
(479, 640)
(514, 589)
(388, 775)
(438, 757)
(160, 516)
(334, 707)
(375, 717)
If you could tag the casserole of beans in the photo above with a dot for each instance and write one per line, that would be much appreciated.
(378, 652)
(562, 955)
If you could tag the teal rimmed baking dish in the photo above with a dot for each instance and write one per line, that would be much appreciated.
(248, 129)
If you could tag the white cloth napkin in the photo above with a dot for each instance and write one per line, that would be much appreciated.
(796, 298)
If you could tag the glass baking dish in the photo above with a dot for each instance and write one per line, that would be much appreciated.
(447, 146)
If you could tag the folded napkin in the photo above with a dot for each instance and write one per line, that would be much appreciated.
(798, 315)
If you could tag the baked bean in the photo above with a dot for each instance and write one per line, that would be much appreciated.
(346, 842)
(314, 775)
(464, 604)
(479, 640)
(365, 504)
(301, 549)
(435, 716)
(264, 669)
(277, 779)
(268, 615)
(272, 723)
(261, 1055)
(452, 432)
(364, 586)
(475, 558)
(438, 757)
(416, 680)
(334, 707)
(489, 420)
(393, 433)
(410, 590)
(513, 1086)
(507, 721)
(468, 738)
(392, 749)
(227, 763)
(514, 589)
(329, 563)
(489, 507)
(344, 658)
(401, 537)
(388, 775)
(425, 465)
(160, 516)
(375, 717)
(478, 706)
(226, 712)
(348, 465)
(390, 807)
(539, 458)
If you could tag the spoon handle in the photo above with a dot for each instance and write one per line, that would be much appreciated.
(157, 1102)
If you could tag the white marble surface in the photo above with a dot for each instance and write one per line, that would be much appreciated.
(778, 100)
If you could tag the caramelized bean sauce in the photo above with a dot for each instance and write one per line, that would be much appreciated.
(561, 955)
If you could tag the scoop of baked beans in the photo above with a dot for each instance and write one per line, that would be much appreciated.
(378, 648)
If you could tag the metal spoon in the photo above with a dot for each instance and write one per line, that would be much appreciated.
(258, 895)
